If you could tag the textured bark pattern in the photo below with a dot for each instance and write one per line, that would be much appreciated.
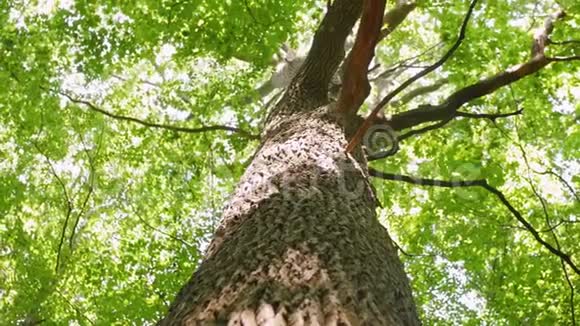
(299, 243)
(309, 88)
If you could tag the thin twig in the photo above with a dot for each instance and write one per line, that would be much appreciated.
(75, 308)
(69, 205)
(563, 42)
(553, 232)
(93, 107)
(563, 59)
(563, 181)
(485, 185)
(187, 244)
(425, 129)
(398, 246)
(401, 63)
(490, 116)
(91, 185)
(419, 91)
(441, 123)
(549, 224)
(356, 139)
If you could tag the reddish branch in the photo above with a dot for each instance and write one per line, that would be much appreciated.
(370, 120)
(356, 87)
(485, 185)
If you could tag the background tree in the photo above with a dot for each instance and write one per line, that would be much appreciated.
(115, 165)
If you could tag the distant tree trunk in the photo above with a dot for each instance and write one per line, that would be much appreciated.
(300, 243)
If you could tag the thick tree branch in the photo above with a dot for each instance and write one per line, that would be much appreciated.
(356, 139)
(485, 185)
(449, 107)
(93, 107)
(392, 19)
(326, 52)
(356, 87)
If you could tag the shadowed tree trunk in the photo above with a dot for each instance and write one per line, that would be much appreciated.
(299, 243)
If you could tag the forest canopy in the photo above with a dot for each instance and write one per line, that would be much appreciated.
(125, 126)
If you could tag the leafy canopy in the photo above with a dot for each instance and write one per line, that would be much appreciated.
(103, 218)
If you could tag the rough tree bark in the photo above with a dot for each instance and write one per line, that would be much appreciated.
(299, 243)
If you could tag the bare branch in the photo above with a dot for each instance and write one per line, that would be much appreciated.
(485, 185)
(435, 65)
(571, 287)
(356, 139)
(93, 107)
(425, 129)
(557, 242)
(68, 207)
(75, 308)
(449, 107)
(435, 126)
(550, 41)
(563, 59)
(546, 230)
(404, 252)
(425, 181)
(550, 227)
(185, 243)
(563, 181)
(541, 36)
(419, 91)
(142, 81)
(404, 62)
(90, 186)
(490, 116)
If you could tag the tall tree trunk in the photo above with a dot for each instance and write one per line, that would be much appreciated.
(299, 243)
